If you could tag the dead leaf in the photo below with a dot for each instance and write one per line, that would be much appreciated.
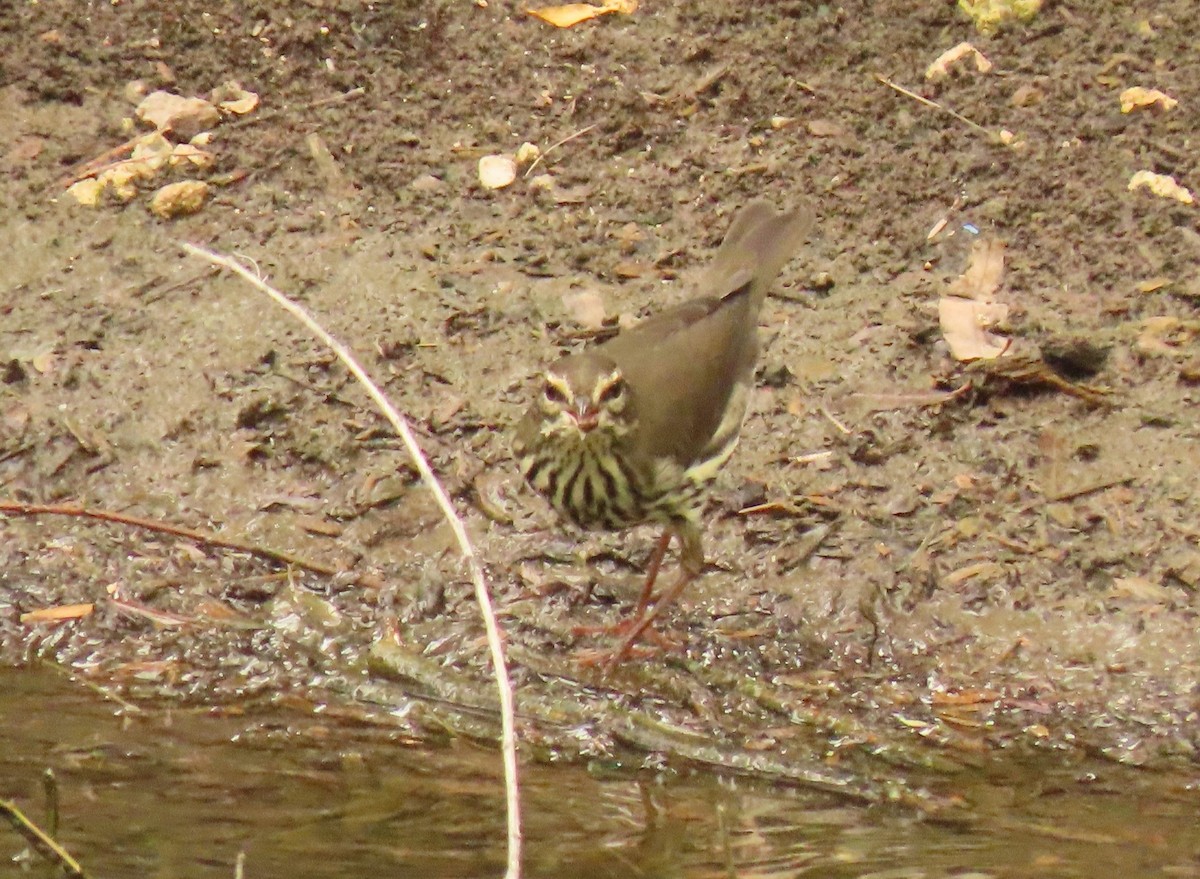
(1139, 589)
(318, 525)
(1162, 185)
(26, 149)
(968, 309)
(985, 271)
(1136, 98)
(1166, 334)
(940, 68)
(571, 14)
(586, 307)
(57, 614)
(1153, 285)
(44, 361)
(964, 325)
(988, 570)
(632, 269)
(497, 172)
(824, 128)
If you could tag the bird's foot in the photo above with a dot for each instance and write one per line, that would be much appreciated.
(608, 658)
(631, 631)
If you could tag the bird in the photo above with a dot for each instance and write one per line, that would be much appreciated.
(633, 431)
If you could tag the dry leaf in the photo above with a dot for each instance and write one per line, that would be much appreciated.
(496, 172)
(572, 14)
(964, 324)
(179, 199)
(1162, 185)
(985, 271)
(57, 614)
(1137, 97)
(940, 68)
(586, 307)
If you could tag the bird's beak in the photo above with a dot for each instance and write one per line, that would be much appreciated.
(586, 417)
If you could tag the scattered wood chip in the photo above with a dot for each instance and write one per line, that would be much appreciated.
(234, 99)
(527, 154)
(1136, 98)
(87, 192)
(940, 68)
(179, 199)
(185, 117)
(990, 15)
(1162, 185)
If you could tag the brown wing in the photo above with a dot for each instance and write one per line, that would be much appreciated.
(683, 368)
(689, 362)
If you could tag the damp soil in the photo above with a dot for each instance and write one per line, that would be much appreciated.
(912, 565)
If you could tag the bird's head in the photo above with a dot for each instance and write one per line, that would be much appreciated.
(584, 396)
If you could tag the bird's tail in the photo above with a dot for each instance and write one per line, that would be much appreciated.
(756, 247)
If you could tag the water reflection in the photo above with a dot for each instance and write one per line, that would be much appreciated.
(178, 793)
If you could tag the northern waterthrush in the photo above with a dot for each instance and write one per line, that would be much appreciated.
(633, 430)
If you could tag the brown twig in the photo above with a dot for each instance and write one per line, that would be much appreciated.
(934, 104)
(40, 839)
(548, 150)
(16, 508)
(508, 742)
(92, 167)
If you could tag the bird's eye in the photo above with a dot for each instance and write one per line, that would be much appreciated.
(612, 391)
(554, 394)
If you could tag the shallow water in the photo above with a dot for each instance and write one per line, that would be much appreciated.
(179, 793)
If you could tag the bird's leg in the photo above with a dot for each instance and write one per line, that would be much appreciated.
(652, 568)
(691, 561)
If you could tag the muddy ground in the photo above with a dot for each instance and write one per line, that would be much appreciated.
(930, 577)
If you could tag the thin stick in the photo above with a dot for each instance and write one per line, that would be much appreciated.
(508, 742)
(40, 839)
(928, 103)
(548, 150)
(16, 508)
